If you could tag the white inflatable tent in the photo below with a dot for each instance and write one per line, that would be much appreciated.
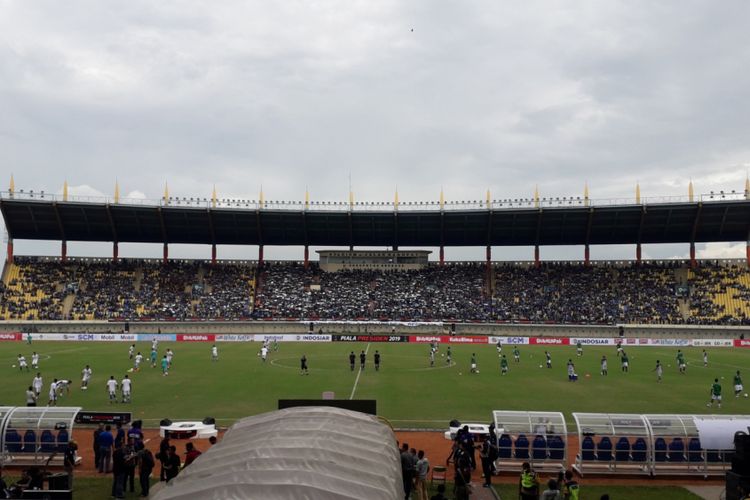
(306, 452)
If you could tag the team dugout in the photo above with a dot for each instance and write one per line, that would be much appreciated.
(34, 435)
(612, 443)
(527, 436)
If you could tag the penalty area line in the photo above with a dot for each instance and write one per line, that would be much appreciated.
(356, 381)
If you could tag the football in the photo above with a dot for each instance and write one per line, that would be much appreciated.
(745, 394)
(12, 366)
(540, 366)
(477, 371)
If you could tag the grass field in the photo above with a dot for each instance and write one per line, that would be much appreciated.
(408, 392)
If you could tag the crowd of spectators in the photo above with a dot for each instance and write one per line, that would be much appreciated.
(653, 293)
(572, 293)
(434, 293)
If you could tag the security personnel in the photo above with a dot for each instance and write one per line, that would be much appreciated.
(571, 489)
(528, 488)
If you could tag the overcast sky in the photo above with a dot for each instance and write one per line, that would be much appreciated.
(464, 95)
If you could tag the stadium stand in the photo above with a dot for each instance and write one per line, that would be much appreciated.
(667, 292)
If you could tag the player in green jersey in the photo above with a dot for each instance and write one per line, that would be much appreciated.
(715, 393)
(503, 365)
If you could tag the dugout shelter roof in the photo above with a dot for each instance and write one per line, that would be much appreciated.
(303, 452)
(672, 222)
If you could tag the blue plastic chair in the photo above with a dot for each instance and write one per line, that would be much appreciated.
(639, 450)
(622, 450)
(604, 450)
(522, 447)
(29, 441)
(660, 450)
(587, 449)
(677, 450)
(539, 448)
(556, 447)
(505, 446)
(48, 441)
(62, 440)
(695, 452)
(714, 456)
(13, 441)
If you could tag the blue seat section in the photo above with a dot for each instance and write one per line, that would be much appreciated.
(660, 450)
(695, 452)
(556, 447)
(539, 448)
(677, 450)
(639, 450)
(622, 450)
(13, 441)
(522, 447)
(505, 446)
(604, 449)
(29, 441)
(62, 440)
(587, 449)
(48, 441)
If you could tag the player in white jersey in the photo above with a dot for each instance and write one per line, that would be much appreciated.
(170, 355)
(138, 360)
(85, 377)
(37, 383)
(22, 363)
(35, 360)
(52, 393)
(705, 358)
(63, 385)
(154, 344)
(126, 385)
(131, 351)
(263, 353)
(214, 353)
(112, 389)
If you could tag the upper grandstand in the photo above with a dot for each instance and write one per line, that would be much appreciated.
(666, 292)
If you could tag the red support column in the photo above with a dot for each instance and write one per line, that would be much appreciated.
(213, 254)
(260, 255)
(586, 255)
(115, 252)
(64, 252)
(9, 255)
(638, 253)
(693, 262)
(442, 255)
(537, 262)
(165, 257)
(307, 257)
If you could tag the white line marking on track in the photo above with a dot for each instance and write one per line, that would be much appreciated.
(356, 381)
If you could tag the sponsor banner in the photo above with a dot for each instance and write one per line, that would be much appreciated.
(549, 341)
(666, 342)
(102, 417)
(87, 337)
(235, 338)
(161, 337)
(10, 336)
(741, 343)
(713, 342)
(466, 339)
(427, 339)
(592, 341)
(370, 338)
(509, 340)
(210, 337)
(302, 337)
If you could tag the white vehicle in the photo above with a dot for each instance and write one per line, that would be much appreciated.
(478, 431)
(188, 430)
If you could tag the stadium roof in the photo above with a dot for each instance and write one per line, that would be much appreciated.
(503, 224)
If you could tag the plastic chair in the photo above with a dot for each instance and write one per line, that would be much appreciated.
(62, 440)
(622, 450)
(677, 450)
(695, 452)
(639, 450)
(29, 441)
(539, 448)
(714, 456)
(604, 450)
(438, 474)
(660, 450)
(505, 446)
(522, 447)
(13, 441)
(556, 447)
(48, 441)
(587, 449)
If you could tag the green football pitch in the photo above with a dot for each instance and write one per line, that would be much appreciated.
(409, 392)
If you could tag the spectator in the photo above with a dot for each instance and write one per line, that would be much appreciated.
(106, 445)
(163, 456)
(97, 451)
(173, 463)
(118, 472)
(408, 467)
(191, 453)
(422, 468)
(146, 465)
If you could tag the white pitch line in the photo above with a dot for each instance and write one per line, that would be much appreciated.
(356, 381)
